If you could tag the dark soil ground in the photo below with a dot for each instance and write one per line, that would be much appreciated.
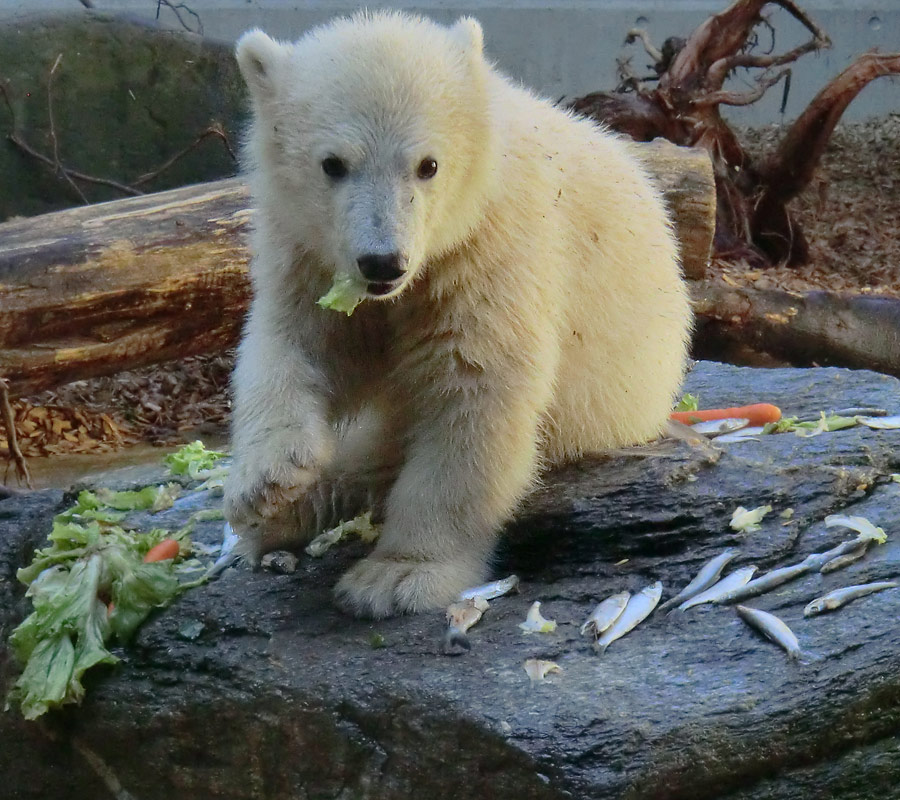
(850, 213)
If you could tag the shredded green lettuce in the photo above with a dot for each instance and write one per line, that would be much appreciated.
(207, 514)
(690, 402)
(154, 498)
(88, 585)
(825, 424)
(62, 638)
(784, 425)
(344, 295)
(746, 520)
(193, 460)
(535, 622)
(362, 526)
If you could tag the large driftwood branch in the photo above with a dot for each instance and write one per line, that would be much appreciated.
(787, 171)
(98, 289)
(718, 45)
(683, 106)
(723, 97)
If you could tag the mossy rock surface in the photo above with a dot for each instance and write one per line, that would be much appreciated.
(126, 98)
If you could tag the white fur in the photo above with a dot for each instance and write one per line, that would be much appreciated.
(542, 315)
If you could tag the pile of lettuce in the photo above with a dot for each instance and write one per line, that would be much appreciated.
(91, 584)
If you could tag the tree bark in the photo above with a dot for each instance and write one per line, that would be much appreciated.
(775, 327)
(103, 288)
(94, 290)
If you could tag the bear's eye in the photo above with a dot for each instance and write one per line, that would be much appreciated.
(333, 167)
(427, 169)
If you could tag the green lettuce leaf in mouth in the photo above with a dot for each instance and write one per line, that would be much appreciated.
(344, 295)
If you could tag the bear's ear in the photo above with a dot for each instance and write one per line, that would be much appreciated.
(259, 58)
(468, 34)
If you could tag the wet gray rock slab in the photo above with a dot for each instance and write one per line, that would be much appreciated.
(256, 686)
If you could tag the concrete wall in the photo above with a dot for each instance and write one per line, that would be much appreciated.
(564, 47)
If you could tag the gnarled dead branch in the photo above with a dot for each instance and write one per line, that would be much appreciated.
(753, 219)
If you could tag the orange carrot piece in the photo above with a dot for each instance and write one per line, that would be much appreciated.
(758, 414)
(167, 548)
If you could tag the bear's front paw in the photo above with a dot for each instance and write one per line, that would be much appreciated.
(383, 585)
(267, 478)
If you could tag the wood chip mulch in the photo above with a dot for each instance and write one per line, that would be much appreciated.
(850, 215)
(156, 404)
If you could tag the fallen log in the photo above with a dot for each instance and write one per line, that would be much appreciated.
(99, 289)
(817, 328)
(102, 288)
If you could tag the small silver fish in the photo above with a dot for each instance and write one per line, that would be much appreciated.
(605, 614)
(638, 609)
(840, 597)
(492, 590)
(865, 538)
(460, 617)
(709, 573)
(857, 411)
(228, 554)
(844, 561)
(682, 433)
(765, 583)
(743, 435)
(737, 578)
(811, 563)
(772, 627)
(881, 423)
(717, 427)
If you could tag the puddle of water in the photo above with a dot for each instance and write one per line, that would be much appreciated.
(61, 471)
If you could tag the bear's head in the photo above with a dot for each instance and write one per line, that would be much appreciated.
(372, 142)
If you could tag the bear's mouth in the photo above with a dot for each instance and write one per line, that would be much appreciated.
(381, 288)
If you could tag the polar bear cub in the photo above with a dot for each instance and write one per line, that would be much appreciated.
(523, 301)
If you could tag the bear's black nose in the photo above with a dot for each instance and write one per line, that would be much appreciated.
(382, 266)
